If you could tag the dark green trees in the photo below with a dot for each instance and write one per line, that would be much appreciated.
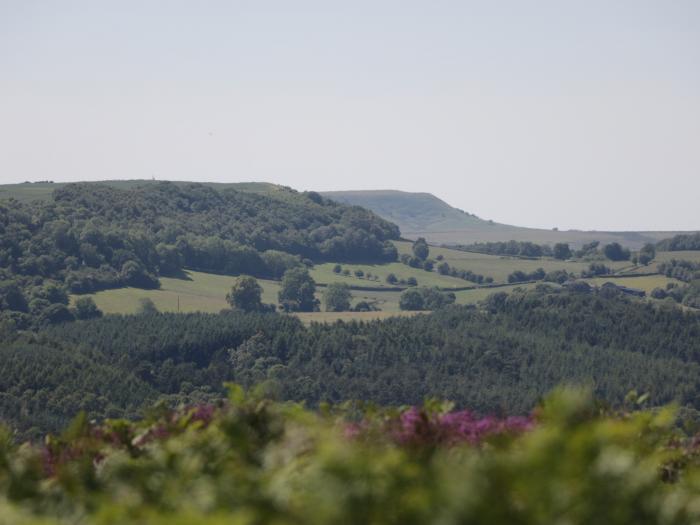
(561, 251)
(615, 252)
(425, 299)
(647, 254)
(411, 300)
(298, 291)
(147, 307)
(337, 297)
(421, 249)
(245, 295)
(85, 308)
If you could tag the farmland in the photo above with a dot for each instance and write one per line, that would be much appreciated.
(205, 292)
(323, 273)
(642, 282)
(196, 292)
(499, 267)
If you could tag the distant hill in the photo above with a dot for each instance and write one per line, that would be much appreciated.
(424, 215)
(416, 214)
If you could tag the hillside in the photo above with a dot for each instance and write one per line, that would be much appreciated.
(34, 191)
(424, 215)
(416, 214)
(90, 237)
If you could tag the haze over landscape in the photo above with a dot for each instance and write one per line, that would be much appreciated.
(581, 116)
(366, 263)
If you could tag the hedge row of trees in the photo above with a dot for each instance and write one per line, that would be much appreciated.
(686, 271)
(613, 251)
(681, 242)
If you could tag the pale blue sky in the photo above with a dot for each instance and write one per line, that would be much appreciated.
(576, 114)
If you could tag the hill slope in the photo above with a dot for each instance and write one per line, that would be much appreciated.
(424, 215)
(34, 191)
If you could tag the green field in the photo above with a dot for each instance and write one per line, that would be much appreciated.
(206, 292)
(643, 282)
(693, 256)
(479, 294)
(323, 273)
(499, 267)
(199, 292)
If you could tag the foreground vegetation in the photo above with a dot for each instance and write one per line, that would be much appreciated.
(253, 461)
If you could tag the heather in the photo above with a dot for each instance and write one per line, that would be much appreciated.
(250, 460)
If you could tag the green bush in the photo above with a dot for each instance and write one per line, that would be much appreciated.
(252, 461)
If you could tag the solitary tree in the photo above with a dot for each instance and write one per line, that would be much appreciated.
(297, 292)
(615, 252)
(147, 306)
(337, 297)
(443, 268)
(561, 251)
(647, 254)
(421, 249)
(245, 295)
(411, 299)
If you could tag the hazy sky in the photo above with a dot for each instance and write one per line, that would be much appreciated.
(576, 114)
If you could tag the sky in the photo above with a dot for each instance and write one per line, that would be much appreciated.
(568, 114)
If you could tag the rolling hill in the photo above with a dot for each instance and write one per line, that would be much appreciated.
(424, 215)
(416, 214)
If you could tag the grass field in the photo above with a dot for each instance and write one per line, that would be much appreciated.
(206, 292)
(323, 273)
(199, 292)
(479, 294)
(499, 267)
(693, 256)
(643, 282)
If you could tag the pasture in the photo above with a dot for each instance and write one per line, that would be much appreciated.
(323, 274)
(197, 292)
(499, 267)
(206, 292)
(643, 282)
(688, 255)
(479, 294)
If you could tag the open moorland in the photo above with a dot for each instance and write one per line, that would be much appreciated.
(425, 215)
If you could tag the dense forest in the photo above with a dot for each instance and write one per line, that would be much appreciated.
(499, 358)
(91, 236)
